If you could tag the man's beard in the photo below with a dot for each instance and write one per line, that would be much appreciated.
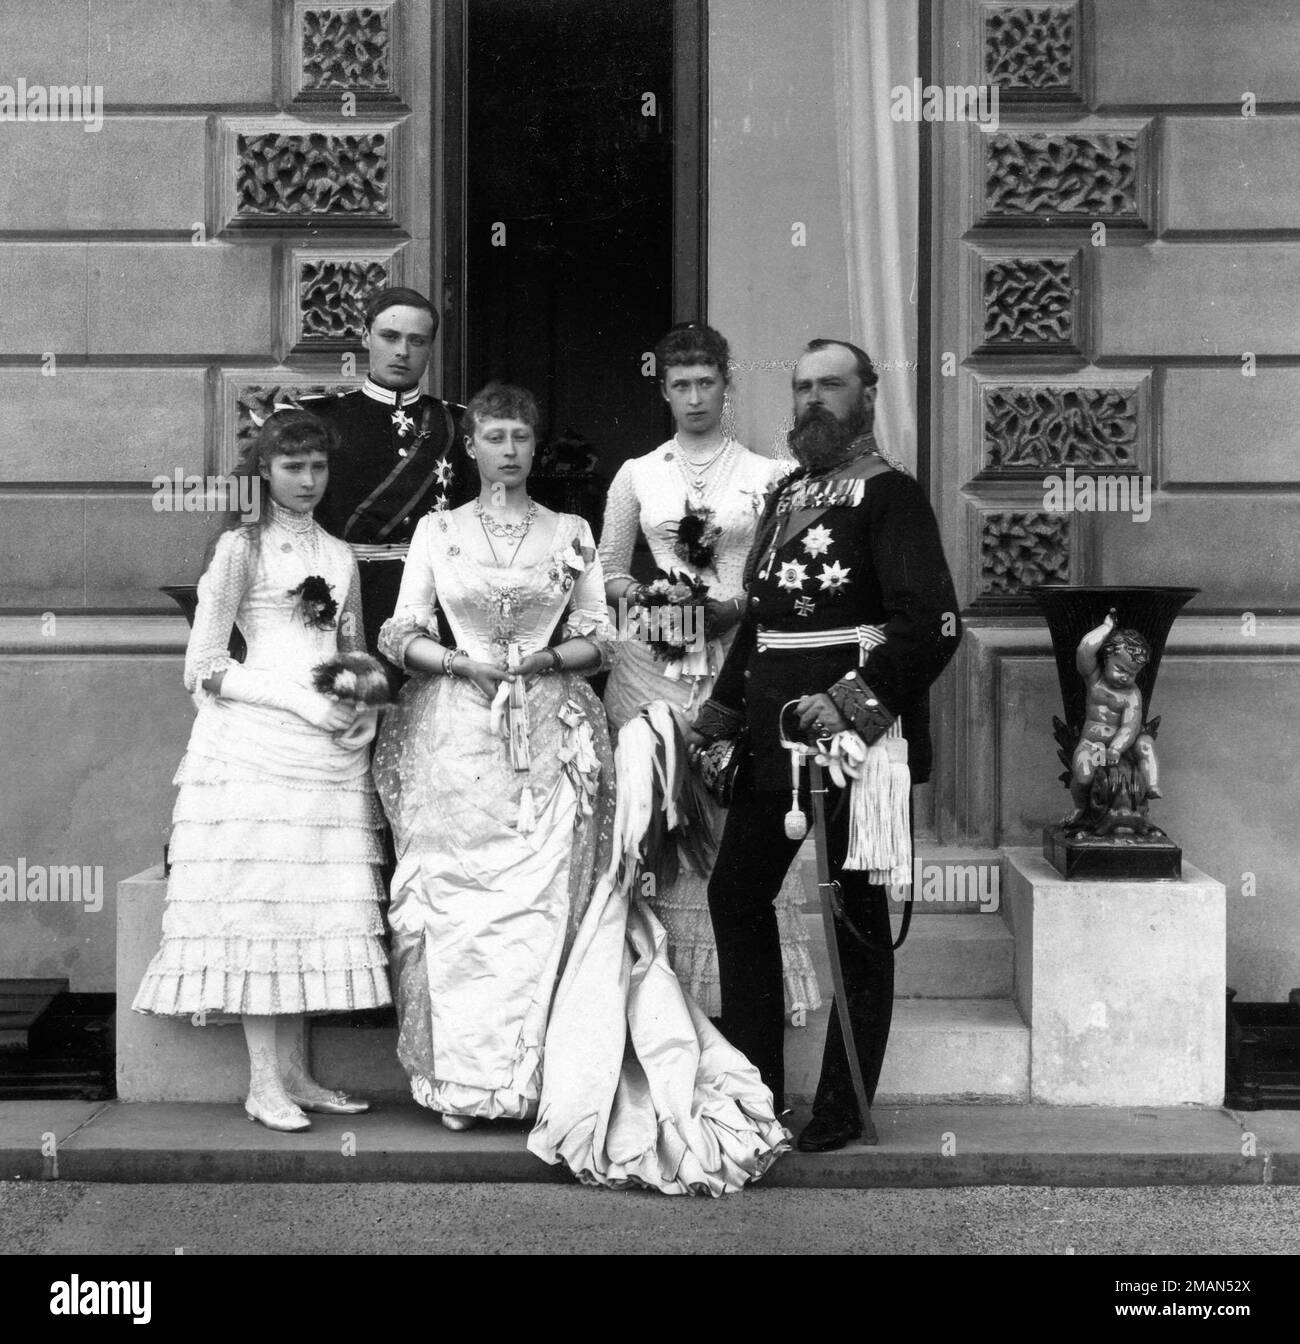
(818, 440)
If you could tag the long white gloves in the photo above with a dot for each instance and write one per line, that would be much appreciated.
(257, 686)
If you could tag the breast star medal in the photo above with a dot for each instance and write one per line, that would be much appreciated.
(792, 576)
(817, 540)
(834, 577)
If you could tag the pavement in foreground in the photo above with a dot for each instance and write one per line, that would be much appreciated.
(81, 1219)
(920, 1147)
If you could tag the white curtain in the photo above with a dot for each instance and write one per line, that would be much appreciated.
(877, 50)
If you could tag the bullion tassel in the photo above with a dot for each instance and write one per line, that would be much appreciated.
(527, 821)
(880, 843)
(796, 824)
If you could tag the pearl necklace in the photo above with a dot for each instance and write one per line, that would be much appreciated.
(696, 473)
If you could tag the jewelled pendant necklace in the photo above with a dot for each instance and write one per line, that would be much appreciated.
(494, 527)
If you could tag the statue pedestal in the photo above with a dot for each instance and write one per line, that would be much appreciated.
(1111, 858)
(1122, 984)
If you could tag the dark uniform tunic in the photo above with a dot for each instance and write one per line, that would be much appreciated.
(400, 456)
(856, 547)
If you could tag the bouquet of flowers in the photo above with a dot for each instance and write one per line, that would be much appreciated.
(361, 680)
(674, 614)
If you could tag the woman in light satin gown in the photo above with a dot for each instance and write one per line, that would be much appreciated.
(525, 965)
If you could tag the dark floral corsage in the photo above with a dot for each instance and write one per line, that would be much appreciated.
(695, 537)
(318, 605)
(673, 619)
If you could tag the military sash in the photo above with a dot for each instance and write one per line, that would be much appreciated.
(401, 491)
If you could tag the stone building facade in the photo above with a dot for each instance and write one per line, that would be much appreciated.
(261, 162)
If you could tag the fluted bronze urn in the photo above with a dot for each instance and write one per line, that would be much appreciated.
(1108, 642)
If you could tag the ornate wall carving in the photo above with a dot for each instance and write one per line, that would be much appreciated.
(347, 49)
(1021, 549)
(1028, 426)
(1075, 174)
(260, 399)
(331, 297)
(1031, 47)
(309, 174)
(1029, 301)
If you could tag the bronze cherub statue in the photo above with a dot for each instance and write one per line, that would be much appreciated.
(1113, 768)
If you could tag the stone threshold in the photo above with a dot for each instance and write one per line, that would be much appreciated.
(923, 1146)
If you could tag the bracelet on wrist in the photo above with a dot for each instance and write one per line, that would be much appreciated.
(557, 663)
(448, 660)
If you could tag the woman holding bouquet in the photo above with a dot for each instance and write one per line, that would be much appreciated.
(523, 968)
(696, 500)
(273, 897)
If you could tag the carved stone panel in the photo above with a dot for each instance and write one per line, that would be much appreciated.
(301, 176)
(1028, 428)
(1022, 549)
(1030, 303)
(1032, 51)
(284, 173)
(247, 400)
(1056, 177)
(346, 48)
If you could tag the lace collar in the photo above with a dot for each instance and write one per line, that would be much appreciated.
(300, 524)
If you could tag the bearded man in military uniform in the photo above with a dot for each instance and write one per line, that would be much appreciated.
(851, 613)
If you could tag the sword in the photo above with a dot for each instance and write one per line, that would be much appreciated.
(829, 892)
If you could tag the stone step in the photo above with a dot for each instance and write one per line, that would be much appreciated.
(941, 959)
(939, 1050)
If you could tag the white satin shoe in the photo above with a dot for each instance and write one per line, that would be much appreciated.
(286, 1119)
(458, 1123)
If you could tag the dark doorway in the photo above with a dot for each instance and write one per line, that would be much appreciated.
(574, 143)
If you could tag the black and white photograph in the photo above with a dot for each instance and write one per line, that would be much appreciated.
(650, 627)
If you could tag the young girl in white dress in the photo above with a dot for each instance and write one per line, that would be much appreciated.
(701, 467)
(273, 898)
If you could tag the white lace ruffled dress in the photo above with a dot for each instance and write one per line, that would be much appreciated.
(649, 495)
(273, 896)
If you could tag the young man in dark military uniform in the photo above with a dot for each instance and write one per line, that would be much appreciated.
(401, 453)
(851, 612)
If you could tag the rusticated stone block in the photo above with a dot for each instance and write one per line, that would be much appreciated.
(1219, 427)
(133, 549)
(1231, 173)
(42, 557)
(44, 308)
(1198, 299)
(1241, 550)
(1195, 51)
(100, 424)
(162, 54)
(158, 299)
(60, 177)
